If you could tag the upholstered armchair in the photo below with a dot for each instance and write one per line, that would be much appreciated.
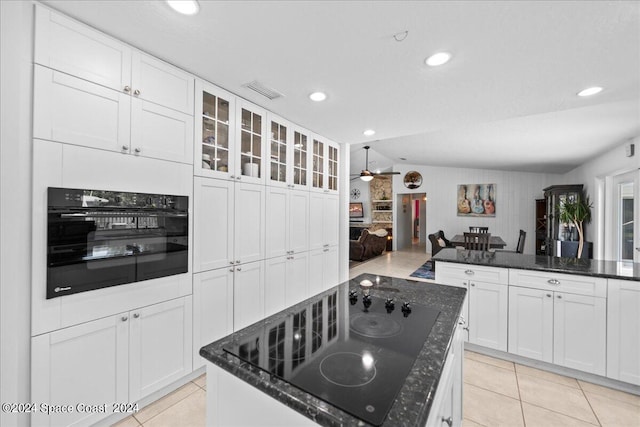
(369, 245)
(438, 242)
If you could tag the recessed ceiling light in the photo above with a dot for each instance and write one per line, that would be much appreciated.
(318, 96)
(369, 132)
(438, 59)
(590, 91)
(186, 7)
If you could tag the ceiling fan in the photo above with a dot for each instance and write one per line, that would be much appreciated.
(366, 174)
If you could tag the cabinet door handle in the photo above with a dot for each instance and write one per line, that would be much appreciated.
(137, 150)
(127, 89)
(238, 178)
(136, 315)
(231, 270)
(553, 282)
(473, 284)
(548, 295)
(448, 421)
(136, 92)
(237, 261)
(125, 148)
(238, 269)
(232, 177)
(124, 318)
(559, 297)
(231, 262)
(469, 272)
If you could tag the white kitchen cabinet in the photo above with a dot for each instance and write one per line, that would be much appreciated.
(323, 220)
(623, 331)
(213, 219)
(116, 359)
(83, 82)
(279, 151)
(250, 143)
(248, 294)
(324, 165)
(229, 223)
(579, 332)
(486, 306)
(215, 132)
(75, 111)
(88, 363)
(286, 282)
(249, 222)
(558, 318)
(531, 323)
(160, 345)
(74, 48)
(446, 409)
(287, 221)
(323, 269)
(300, 164)
(488, 311)
(212, 309)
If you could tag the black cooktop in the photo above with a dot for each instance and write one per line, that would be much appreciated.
(353, 351)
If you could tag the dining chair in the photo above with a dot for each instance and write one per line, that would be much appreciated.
(477, 241)
(478, 229)
(520, 245)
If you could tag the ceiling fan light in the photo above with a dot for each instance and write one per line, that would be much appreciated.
(590, 91)
(366, 178)
(369, 132)
(185, 7)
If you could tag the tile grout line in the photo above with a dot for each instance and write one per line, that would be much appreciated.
(589, 402)
(168, 407)
(492, 391)
(515, 372)
(565, 415)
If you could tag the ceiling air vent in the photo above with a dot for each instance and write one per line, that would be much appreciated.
(258, 87)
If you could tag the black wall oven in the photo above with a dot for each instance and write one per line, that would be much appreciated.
(97, 239)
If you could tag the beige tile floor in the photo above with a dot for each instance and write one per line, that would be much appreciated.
(496, 392)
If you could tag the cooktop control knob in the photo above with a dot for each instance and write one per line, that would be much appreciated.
(406, 308)
(389, 305)
(353, 297)
(366, 300)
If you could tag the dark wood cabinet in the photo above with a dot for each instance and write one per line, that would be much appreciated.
(554, 196)
(541, 227)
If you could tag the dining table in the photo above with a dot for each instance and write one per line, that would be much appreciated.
(495, 242)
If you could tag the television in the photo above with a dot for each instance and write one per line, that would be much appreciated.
(355, 210)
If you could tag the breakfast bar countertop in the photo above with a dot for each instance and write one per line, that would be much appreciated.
(414, 400)
(584, 267)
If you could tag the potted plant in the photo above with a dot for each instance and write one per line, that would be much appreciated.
(576, 212)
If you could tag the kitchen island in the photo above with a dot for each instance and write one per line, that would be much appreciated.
(294, 368)
(574, 317)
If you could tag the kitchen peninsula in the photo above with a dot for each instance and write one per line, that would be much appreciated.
(576, 317)
(374, 350)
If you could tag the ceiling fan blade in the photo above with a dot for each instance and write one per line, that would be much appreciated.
(386, 173)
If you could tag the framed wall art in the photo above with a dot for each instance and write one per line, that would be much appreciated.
(476, 200)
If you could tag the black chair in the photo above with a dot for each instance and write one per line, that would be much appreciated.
(478, 229)
(477, 241)
(520, 245)
(437, 239)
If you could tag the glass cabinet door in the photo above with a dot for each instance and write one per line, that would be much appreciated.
(317, 181)
(278, 142)
(332, 157)
(214, 137)
(251, 138)
(300, 166)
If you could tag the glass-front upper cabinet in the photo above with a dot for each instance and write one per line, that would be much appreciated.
(299, 166)
(280, 144)
(325, 160)
(251, 132)
(215, 143)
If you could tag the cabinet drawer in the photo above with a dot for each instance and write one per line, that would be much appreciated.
(457, 274)
(548, 281)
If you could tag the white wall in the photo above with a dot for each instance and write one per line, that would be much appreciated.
(16, 29)
(594, 176)
(515, 200)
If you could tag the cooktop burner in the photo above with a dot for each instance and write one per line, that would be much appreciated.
(353, 350)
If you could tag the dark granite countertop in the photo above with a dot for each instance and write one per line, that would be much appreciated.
(412, 405)
(584, 267)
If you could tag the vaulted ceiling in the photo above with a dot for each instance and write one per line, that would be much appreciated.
(506, 100)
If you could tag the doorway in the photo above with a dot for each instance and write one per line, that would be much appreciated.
(411, 221)
(626, 210)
